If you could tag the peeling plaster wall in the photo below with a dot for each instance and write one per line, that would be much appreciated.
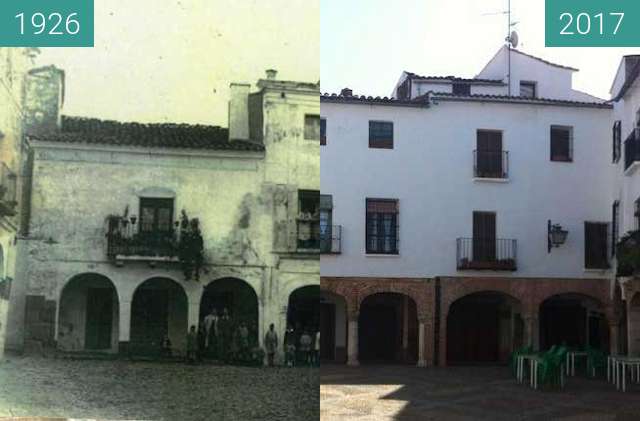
(245, 203)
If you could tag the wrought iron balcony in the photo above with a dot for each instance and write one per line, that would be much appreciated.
(486, 254)
(632, 149)
(331, 240)
(127, 243)
(490, 164)
(8, 185)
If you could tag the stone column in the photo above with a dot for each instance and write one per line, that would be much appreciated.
(124, 327)
(352, 342)
(613, 337)
(532, 330)
(193, 316)
(421, 357)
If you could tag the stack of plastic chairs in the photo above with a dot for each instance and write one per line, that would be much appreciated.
(596, 361)
(550, 367)
(513, 357)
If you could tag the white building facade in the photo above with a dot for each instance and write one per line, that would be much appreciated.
(444, 196)
(105, 267)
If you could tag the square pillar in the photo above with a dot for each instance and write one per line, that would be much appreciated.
(352, 343)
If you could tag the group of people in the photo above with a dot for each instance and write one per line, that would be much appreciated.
(301, 346)
(219, 338)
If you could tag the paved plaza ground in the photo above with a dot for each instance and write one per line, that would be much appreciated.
(154, 391)
(464, 393)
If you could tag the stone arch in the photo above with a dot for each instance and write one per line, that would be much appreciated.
(415, 292)
(596, 289)
(88, 314)
(159, 310)
(239, 298)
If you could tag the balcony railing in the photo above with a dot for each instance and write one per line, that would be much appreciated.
(490, 164)
(486, 254)
(331, 240)
(632, 149)
(308, 234)
(124, 240)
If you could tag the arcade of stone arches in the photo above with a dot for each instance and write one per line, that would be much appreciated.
(89, 314)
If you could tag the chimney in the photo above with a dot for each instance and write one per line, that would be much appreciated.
(346, 92)
(271, 74)
(43, 101)
(239, 111)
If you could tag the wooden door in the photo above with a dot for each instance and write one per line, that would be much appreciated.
(99, 318)
(489, 154)
(484, 236)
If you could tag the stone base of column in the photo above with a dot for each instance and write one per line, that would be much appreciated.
(353, 363)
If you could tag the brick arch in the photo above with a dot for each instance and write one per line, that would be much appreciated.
(416, 296)
(455, 289)
(596, 289)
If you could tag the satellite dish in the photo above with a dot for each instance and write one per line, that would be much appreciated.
(513, 39)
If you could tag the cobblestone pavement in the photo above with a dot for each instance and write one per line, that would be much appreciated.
(464, 393)
(154, 391)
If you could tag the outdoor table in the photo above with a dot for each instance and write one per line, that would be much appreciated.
(571, 361)
(620, 364)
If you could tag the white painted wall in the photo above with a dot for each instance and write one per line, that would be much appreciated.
(430, 171)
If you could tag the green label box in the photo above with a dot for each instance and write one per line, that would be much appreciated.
(46, 23)
(592, 23)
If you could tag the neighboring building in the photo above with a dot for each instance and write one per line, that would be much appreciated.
(439, 205)
(14, 63)
(108, 265)
(625, 200)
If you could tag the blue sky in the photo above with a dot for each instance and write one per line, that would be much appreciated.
(366, 44)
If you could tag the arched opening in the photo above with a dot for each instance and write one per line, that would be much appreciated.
(633, 325)
(88, 315)
(388, 328)
(333, 327)
(304, 309)
(240, 301)
(483, 328)
(574, 320)
(159, 309)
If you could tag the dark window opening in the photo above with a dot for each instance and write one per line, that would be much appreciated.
(561, 144)
(312, 127)
(461, 89)
(381, 134)
(382, 226)
(528, 89)
(156, 216)
(490, 160)
(308, 219)
(617, 140)
(595, 244)
(615, 218)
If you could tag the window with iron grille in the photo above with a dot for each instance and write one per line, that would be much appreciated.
(323, 131)
(461, 89)
(381, 134)
(528, 89)
(615, 221)
(326, 219)
(617, 140)
(308, 219)
(595, 245)
(382, 226)
(312, 127)
(561, 143)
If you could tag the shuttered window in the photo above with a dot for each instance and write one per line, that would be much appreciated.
(484, 236)
(382, 226)
(489, 154)
(323, 131)
(617, 140)
(156, 215)
(595, 245)
(561, 143)
(615, 222)
(381, 134)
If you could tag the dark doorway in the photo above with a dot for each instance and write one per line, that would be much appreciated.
(327, 331)
(482, 328)
(572, 320)
(99, 322)
(238, 298)
(484, 236)
(159, 309)
(384, 319)
(303, 311)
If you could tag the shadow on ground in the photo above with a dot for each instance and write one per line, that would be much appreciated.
(464, 393)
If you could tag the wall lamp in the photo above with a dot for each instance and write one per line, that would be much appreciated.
(556, 236)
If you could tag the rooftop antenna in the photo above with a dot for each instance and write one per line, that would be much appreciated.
(511, 40)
